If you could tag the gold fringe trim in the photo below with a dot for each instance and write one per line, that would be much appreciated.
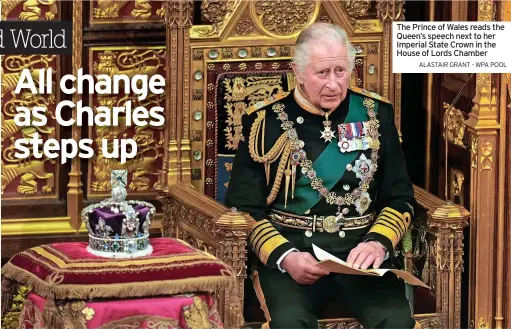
(117, 290)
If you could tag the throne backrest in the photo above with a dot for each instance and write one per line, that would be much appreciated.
(240, 57)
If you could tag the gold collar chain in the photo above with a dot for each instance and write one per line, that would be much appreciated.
(359, 194)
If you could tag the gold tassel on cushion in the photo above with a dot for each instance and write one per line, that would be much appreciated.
(8, 287)
(50, 313)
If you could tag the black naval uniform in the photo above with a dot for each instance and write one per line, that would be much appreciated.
(376, 302)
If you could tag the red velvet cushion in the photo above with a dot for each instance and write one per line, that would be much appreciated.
(67, 270)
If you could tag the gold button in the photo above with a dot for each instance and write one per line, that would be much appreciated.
(342, 234)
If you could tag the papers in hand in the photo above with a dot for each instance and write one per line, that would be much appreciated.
(336, 265)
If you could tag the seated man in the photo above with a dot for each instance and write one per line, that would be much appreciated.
(323, 165)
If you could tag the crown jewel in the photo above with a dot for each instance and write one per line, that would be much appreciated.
(119, 228)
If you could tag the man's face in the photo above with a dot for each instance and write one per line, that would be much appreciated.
(326, 78)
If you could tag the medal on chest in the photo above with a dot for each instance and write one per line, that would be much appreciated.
(354, 137)
(327, 134)
(363, 167)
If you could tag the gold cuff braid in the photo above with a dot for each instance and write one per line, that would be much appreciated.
(392, 224)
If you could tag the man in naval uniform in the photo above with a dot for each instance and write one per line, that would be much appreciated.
(322, 165)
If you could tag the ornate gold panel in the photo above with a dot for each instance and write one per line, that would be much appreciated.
(455, 126)
(237, 18)
(144, 169)
(31, 176)
(29, 10)
(225, 81)
(218, 13)
(356, 8)
(292, 16)
(456, 187)
(115, 11)
(245, 27)
(362, 15)
(487, 154)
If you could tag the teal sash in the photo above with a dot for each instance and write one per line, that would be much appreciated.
(329, 166)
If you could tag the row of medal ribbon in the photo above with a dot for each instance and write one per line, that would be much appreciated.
(353, 137)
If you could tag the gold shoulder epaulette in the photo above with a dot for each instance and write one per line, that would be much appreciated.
(268, 101)
(368, 93)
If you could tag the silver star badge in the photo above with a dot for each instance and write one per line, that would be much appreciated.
(327, 134)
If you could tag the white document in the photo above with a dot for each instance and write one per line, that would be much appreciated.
(336, 265)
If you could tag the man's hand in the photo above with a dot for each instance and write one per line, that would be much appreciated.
(365, 255)
(301, 267)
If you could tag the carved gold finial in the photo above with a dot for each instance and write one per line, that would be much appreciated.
(450, 212)
(457, 180)
(455, 125)
(234, 219)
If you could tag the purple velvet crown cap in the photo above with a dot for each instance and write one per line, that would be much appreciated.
(115, 220)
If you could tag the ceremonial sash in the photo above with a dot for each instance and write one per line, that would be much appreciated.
(329, 166)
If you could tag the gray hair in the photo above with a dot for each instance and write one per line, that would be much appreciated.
(324, 33)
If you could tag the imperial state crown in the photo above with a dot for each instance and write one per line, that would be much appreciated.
(119, 228)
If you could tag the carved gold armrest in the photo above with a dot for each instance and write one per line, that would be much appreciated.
(208, 225)
(446, 220)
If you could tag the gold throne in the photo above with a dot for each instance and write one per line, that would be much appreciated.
(240, 56)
